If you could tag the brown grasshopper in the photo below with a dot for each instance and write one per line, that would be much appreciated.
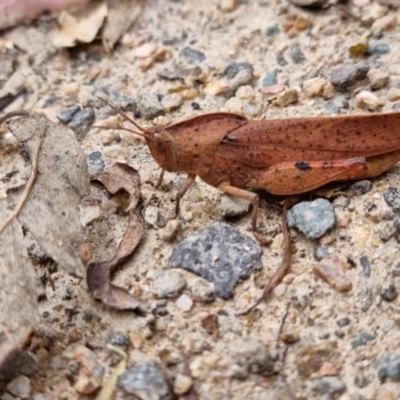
(283, 156)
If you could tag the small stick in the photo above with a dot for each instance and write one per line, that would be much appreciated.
(35, 163)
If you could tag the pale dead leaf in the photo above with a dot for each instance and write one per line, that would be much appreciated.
(121, 15)
(80, 24)
(18, 297)
(51, 212)
(121, 177)
(98, 274)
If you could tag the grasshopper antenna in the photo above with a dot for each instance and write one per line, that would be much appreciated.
(133, 122)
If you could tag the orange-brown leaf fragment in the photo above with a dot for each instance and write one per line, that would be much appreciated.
(121, 177)
(331, 270)
(98, 274)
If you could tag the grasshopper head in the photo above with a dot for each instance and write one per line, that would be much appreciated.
(162, 147)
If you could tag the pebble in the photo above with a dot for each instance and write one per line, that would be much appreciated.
(167, 283)
(149, 106)
(96, 162)
(35, 251)
(151, 214)
(251, 353)
(366, 99)
(390, 366)
(145, 380)
(361, 339)
(343, 321)
(251, 109)
(314, 87)
(203, 290)
(274, 89)
(393, 94)
(231, 206)
(20, 387)
(343, 77)
(219, 254)
(184, 302)
(328, 385)
(313, 218)
(245, 92)
(210, 324)
(297, 55)
(171, 101)
(387, 232)
(233, 68)
(281, 61)
(311, 357)
(331, 270)
(234, 105)
(396, 106)
(192, 56)
(322, 251)
(366, 266)
(243, 77)
(377, 48)
(17, 363)
(65, 116)
(361, 187)
(388, 291)
(182, 384)
(272, 30)
(228, 5)
(271, 78)
(392, 198)
(377, 79)
(82, 121)
(171, 230)
(396, 224)
(289, 96)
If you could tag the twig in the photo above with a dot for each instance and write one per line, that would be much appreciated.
(35, 162)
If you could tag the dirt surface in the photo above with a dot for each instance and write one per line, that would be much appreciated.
(332, 342)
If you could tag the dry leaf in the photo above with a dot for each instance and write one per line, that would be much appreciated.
(80, 24)
(121, 177)
(98, 274)
(121, 15)
(51, 212)
(18, 298)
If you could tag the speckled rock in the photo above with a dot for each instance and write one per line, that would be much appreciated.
(35, 251)
(297, 55)
(378, 48)
(65, 116)
(390, 366)
(219, 254)
(231, 206)
(17, 363)
(203, 290)
(270, 78)
(329, 385)
(392, 198)
(361, 339)
(343, 77)
(253, 355)
(167, 283)
(149, 106)
(314, 218)
(95, 162)
(377, 79)
(366, 266)
(145, 380)
(82, 121)
(388, 291)
(192, 56)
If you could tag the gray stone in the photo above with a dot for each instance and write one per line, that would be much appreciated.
(343, 77)
(331, 107)
(366, 266)
(204, 291)
(17, 363)
(297, 55)
(329, 385)
(390, 366)
(280, 59)
(65, 116)
(219, 254)
(253, 355)
(343, 321)
(314, 218)
(272, 30)
(167, 283)
(361, 187)
(192, 56)
(388, 291)
(35, 251)
(149, 106)
(20, 387)
(145, 380)
(361, 339)
(378, 48)
(231, 206)
(95, 162)
(322, 251)
(82, 121)
(396, 224)
(127, 103)
(392, 198)
(270, 78)
(233, 68)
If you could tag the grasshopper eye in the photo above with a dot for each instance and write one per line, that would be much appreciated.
(158, 142)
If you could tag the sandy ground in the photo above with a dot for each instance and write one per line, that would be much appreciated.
(321, 363)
